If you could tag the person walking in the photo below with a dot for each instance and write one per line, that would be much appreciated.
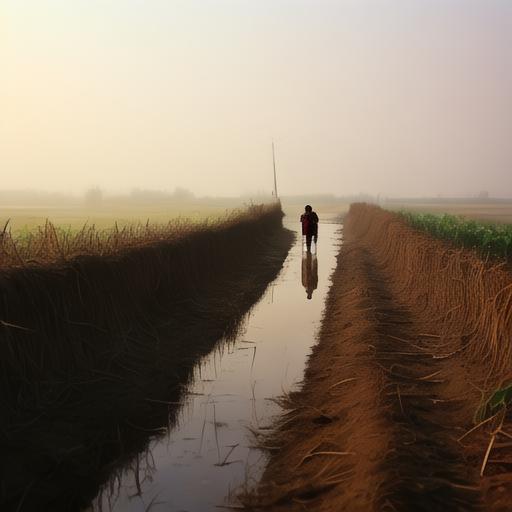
(309, 221)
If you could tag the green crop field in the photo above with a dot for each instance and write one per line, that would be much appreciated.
(496, 211)
(487, 238)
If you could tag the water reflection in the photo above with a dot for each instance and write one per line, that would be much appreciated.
(309, 273)
(212, 452)
(76, 413)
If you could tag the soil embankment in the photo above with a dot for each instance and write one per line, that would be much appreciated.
(96, 352)
(409, 345)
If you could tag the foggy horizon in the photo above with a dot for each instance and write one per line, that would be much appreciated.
(190, 195)
(402, 98)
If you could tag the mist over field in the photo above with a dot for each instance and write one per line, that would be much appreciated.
(255, 255)
(390, 98)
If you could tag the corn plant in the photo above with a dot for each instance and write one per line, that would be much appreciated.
(488, 239)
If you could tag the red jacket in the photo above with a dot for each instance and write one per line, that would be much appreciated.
(309, 223)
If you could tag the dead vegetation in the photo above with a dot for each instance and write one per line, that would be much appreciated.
(470, 297)
(53, 244)
(415, 341)
(97, 349)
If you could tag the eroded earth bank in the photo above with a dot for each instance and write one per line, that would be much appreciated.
(394, 413)
(97, 351)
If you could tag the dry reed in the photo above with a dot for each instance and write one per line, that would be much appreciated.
(470, 297)
(52, 244)
(100, 336)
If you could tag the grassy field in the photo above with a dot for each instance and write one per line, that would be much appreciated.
(25, 218)
(486, 237)
(490, 211)
(47, 243)
(97, 350)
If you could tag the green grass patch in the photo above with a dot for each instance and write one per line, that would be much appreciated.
(488, 239)
(500, 399)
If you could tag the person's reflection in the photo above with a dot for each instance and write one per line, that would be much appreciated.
(309, 273)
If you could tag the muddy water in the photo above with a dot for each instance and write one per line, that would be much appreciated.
(210, 454)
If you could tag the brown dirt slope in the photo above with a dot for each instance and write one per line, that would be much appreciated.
(394, 384)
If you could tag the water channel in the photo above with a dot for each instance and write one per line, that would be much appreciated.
(200, 464)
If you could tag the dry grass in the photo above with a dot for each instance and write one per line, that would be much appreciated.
(467, 302)
(50, 243)
(416, 335)
(97, 346)
(454, 285)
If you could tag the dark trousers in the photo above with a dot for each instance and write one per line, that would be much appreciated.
(309, 238)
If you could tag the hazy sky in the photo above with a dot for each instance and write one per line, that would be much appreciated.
(397, 97)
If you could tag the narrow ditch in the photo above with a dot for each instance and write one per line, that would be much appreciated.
(102, 367)
(211, 453)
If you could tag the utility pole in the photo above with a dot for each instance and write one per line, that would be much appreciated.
(275, 176)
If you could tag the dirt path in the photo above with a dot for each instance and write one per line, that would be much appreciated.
(426, 469)
(375, 427)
